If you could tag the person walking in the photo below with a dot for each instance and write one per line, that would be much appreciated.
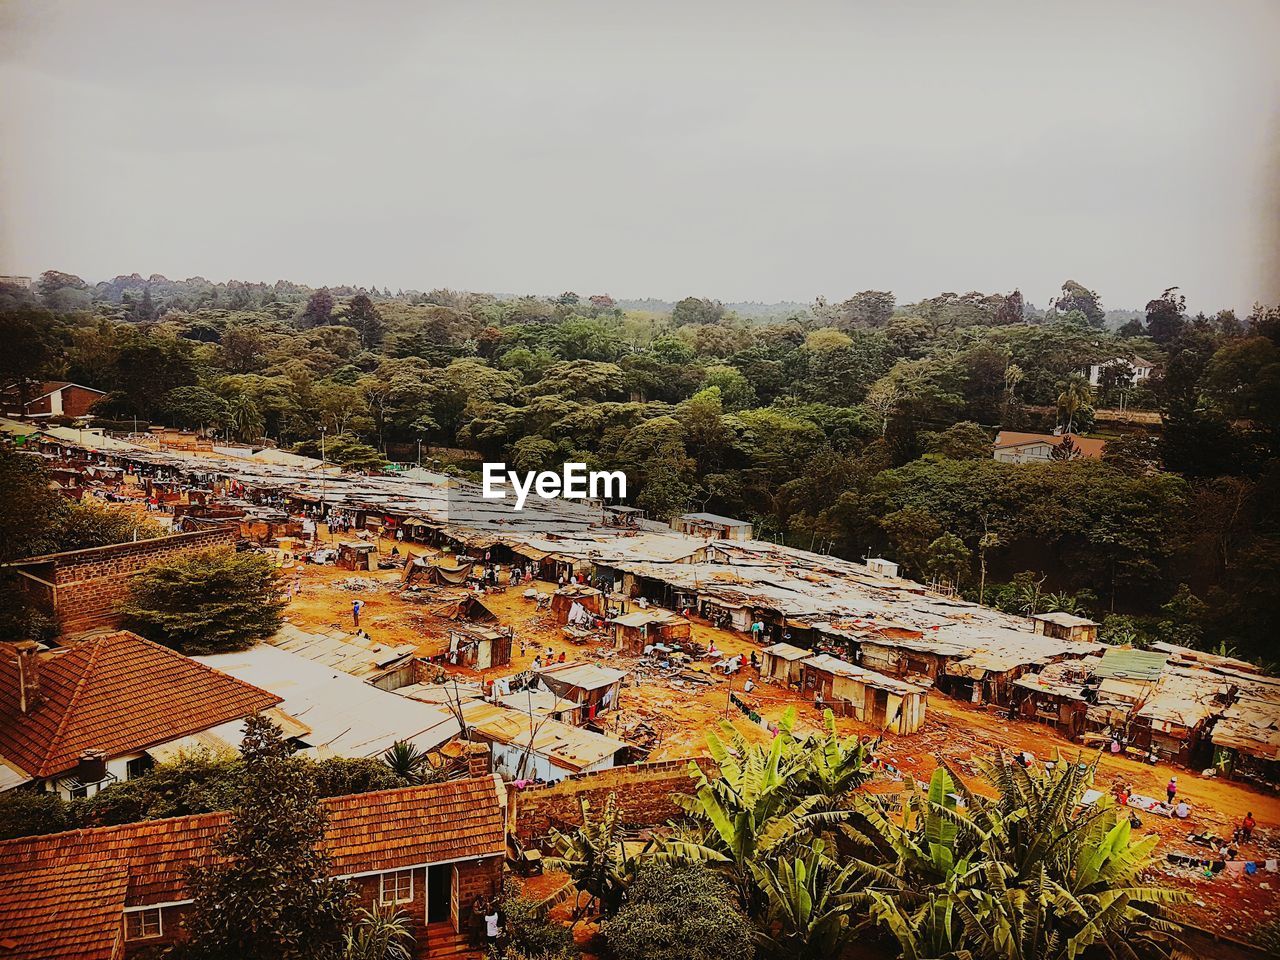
(1172, 789)
(1246, 827)
(356, 607)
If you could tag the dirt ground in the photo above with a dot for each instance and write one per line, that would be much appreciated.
(671, 715)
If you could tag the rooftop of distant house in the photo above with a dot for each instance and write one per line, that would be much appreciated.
(1088, 446)
(1064, 619)
(714, 519)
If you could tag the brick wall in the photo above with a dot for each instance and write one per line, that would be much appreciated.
(644, 792)
(476, 878)
(92, 583)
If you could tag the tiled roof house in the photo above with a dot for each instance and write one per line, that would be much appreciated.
(103, 893)
(75, 720)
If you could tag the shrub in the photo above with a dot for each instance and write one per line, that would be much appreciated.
(531, 935)
(206, 602)
(679, 913)
(26, 812)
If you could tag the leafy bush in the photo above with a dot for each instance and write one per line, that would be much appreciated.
(199, 783)
(679, 913)
(206, 602)
(26, 812)
(530, 933)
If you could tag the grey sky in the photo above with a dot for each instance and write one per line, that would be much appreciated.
(731, 149)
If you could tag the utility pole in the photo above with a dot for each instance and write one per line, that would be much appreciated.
(324, 474)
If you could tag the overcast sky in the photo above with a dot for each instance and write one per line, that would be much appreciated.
(743, 151)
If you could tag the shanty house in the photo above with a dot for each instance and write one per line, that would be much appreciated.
(479, 646)
(781, 663)
(725, 612)
(357, 555)
(563, 600)
(711, 526)
(117, 892)
(881, 566)
(1172, 720)
(1246, 739)
(1122, 680)
(900, 652)
(870, 697)
(593, 688)
(1055, 695)
(105, 710)
(534, 748)
(1065, 626)
(634, 631)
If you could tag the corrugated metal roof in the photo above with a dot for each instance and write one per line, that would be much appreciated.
(570, 747)
(1065, 619)
(716, 519)
(358, 656)
(347, 717)
(842, 668)
(1125, 663)
(787, 652)
(588, 676)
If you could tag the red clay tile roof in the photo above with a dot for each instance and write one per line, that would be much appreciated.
(1088, 446)
(117, 693)
(79, 916)
(69, 881)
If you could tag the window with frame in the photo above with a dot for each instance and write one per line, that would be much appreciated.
(142, 924)
(137, 767)
(397, 887)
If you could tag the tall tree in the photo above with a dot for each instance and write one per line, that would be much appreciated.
(270, 895)
(319, 309)
(206, 602)
(364, 316)
(1076, 296)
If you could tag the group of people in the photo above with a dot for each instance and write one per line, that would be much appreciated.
(487, 921)
(539, 663)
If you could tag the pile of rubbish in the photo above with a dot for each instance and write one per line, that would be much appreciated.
(357, 584)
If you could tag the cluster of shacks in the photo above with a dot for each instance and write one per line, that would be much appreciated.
(902, 638)
(1168, 702)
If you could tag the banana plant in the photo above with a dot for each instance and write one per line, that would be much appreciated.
(596, 858)
(809, 904)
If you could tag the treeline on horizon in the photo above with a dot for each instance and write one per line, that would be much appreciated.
(859, 427)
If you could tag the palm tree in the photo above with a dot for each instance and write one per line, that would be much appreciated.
(810, 900)
(1062, 603)
(1027, 598)
(244, 418)
(767, 803)
(1076, 395)
(595, 856)
(409, 763)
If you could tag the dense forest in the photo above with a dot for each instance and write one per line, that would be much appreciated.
(857, 427)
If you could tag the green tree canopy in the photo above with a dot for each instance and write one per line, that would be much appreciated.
(206, 602)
